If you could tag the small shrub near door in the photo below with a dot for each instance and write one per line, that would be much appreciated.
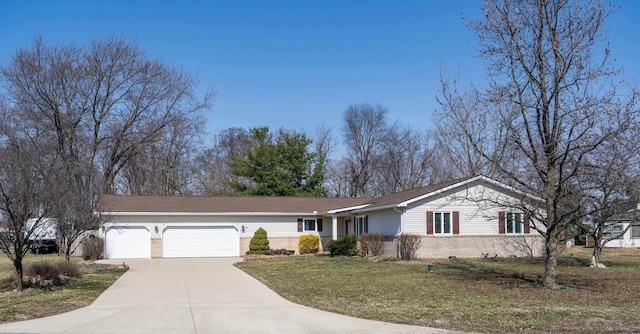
(308, 244)
(408, 245)
(345, 246)
(372, 244)
(259, 243)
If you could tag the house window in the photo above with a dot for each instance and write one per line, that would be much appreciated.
(362, 225)
(635, 231)
(309, 224)
(612, 231)
(514, 223)
(442, 222)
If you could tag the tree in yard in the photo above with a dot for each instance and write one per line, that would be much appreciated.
(280, 165)
(99, 108)
(462, 136)
(551, 102)
(365, 126)
(611, 183)
(25, 192)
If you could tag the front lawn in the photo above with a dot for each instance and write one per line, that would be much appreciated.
(41, 302)
(479, 295)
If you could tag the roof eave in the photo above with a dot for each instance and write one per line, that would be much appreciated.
(145, 213)
(375, 208)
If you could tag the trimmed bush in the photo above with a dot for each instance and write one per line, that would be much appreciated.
(408, 245)
(259, 244)
(92, 248)
(372, 244)
(308, 244)
(345, 246)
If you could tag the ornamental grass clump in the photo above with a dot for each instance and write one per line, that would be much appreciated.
(259, 244)
(372, 244)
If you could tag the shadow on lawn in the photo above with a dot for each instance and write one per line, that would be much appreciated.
(517, 271)
(475, 272)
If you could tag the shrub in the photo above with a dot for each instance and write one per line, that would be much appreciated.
(408, 245)
(308, 244)
(259, 243)
(345, 246)
(372, 244)
(68, 269)
(50, 274)
(92, 248)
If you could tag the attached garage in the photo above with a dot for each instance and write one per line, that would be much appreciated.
(129, 242)
(200, 241)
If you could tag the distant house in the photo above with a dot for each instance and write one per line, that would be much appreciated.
(4, 226)
(617, 225)
(454, 218)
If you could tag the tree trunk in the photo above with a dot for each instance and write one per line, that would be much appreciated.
(17, 263)
(597, 250)
(550, 280)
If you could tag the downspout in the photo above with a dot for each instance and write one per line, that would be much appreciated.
(401, 212)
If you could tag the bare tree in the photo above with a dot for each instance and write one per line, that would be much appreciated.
(25, 193)
(365, 125)
(462, 131)
(611, 183)
(405, 163)
(103, 101)
(165, 166)
(213, 170)
(552, 102)
(101, 106)
(338, 179)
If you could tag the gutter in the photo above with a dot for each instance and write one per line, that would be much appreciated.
(401, 212)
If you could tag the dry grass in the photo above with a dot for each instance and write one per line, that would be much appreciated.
(40, 302)
(493, 296)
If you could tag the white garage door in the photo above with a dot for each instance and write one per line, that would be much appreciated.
(205, 241)
(128, 243)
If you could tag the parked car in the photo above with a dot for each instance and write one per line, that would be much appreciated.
(43, 246)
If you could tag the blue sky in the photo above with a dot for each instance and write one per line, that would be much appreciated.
(293, 64)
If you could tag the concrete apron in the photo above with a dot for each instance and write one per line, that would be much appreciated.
(198, 296)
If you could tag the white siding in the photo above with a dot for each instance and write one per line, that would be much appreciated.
(625, 241)
(477, 217)
(278, 226)
(386, 222)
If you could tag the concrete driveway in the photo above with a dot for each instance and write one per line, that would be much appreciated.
(198, 296)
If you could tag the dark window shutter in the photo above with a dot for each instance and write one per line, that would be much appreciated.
(300, 225)
(501, 222)
(366, 224)
(456, 222)
(319, 223)
(429, 222)
(527, 228)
